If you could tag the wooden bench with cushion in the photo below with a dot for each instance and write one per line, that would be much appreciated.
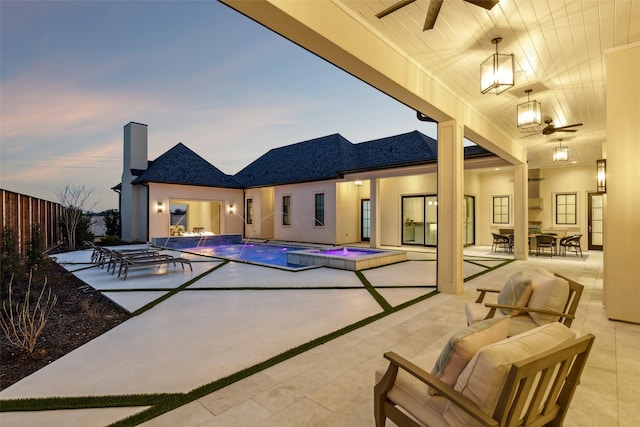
(532, 298)
(525, 380)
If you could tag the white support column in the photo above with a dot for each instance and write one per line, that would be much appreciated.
(622, 200)
(521, 211)
(374, 238)
(450, 195)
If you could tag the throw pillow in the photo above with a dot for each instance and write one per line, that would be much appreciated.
(549, 292)
(464, 344)
(515, 292)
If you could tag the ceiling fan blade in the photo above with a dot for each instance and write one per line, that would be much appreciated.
(393, 8)
(432, 14)
(485, 4)
(569, 126)
(565, 130)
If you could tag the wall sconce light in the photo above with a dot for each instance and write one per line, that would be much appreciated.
(231, 209)
(529, 112)
(560, 153)
(357, 183)
(160, 207)
(601, 167)
(496, 73)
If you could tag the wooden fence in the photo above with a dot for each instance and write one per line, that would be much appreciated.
(21, 212)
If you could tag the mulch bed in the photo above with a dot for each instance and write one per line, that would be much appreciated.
(80, 315)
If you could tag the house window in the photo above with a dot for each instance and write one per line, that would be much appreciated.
(501, 210)
(319, 210)
(249, 211)
(286, 210)
(566, 208)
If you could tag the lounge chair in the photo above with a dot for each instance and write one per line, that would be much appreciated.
(531, 299)
(527, 380)
(115, 256)
(128, 263)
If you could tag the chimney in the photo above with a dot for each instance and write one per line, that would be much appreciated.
(135, 147)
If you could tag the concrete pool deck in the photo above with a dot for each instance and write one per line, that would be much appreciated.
(237, 315)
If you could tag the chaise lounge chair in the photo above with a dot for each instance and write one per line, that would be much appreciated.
(128, 263)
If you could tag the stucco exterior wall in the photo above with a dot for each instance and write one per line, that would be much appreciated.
(302, 227)
(263, 216)
(347, 213)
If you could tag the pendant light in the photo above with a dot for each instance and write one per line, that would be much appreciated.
(560, 153)
(496, 73)
(529, 112)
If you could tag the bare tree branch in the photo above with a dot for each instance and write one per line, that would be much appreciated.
(74, 200)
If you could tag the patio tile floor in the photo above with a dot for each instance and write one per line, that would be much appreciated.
(203, 333)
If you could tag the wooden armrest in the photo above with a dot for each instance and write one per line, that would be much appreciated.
(483, 292)
(443, 389)
(531, 310)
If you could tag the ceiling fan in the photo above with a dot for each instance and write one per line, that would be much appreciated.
(434, 9)
(550, 128)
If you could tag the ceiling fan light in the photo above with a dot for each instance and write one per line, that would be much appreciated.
(560, 154)
(496, 72)
(529, 114)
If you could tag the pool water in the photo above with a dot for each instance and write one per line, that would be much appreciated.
(256, 253)
(293, 257)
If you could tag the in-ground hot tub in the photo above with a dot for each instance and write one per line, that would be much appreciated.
(346, 258)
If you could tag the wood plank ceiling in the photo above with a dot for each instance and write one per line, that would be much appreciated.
(559, 53)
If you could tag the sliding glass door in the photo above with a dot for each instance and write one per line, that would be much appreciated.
(413, 220)
(420, 220)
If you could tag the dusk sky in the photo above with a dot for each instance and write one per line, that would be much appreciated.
(73, 73)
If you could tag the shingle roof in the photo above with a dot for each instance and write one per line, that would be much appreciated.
(180, 165)
(327, 157)
(398, 150)
(313, 160)
(332, 156)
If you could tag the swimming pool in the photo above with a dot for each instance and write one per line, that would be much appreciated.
(293, 257)
(255, 253)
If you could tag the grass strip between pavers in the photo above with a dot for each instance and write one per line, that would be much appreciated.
(298, 288)
(375, 294)
(174, 291)
(488, 269)
(87, 402)
(165, 402)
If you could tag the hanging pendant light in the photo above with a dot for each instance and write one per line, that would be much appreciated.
(560, 153)
(529, 112)
(496, 73)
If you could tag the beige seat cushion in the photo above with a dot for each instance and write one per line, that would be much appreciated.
(520, 324)
(549, 292)
(483, 378)
(413, 395)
